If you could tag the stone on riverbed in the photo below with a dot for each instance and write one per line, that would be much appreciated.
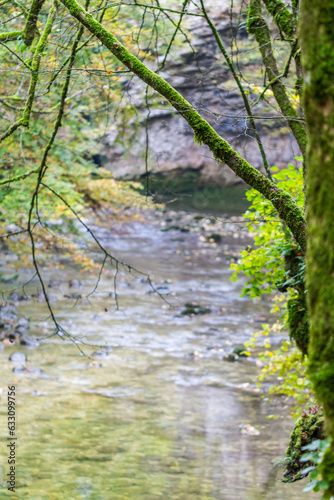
(18, 357)
(19, 369)
(29, 341)
(197, 309)
(240, 351)
(232, 357)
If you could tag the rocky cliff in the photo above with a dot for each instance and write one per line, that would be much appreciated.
(201, 75)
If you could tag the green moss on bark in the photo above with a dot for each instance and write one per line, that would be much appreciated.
(36, 63)
(30, 27)
(308, 428)
(282, 16)
(317, 42)
(298, 322)
(10, 36)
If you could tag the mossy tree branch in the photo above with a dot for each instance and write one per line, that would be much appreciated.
(10, 36)
(257, 26)
(31, 21)
(283, 18)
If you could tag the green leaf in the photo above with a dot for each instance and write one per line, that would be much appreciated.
(308, 469)
(312, 446)
(310, 486)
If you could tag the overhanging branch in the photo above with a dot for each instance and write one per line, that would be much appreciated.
(284, 203)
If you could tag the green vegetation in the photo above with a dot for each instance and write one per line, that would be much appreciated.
(276, 264)
(67, 68)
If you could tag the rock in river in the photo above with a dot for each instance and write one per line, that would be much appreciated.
(18, 357)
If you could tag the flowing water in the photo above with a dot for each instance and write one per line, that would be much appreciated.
(159, 413)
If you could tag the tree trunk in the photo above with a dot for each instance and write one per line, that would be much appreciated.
(317, 41)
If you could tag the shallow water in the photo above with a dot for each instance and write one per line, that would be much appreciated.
(158, 413)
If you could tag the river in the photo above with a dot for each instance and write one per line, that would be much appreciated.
(156, 412)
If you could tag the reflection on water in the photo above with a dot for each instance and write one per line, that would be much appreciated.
(157, 415)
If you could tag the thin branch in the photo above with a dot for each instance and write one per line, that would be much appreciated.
(153, 7)
(20, 177)
(113, 259)
(241, 89)
(14, 233)
(178, 26)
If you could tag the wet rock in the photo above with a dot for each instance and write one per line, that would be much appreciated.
(14, 296)
(9, 339)
(21, 329)
(8, 313)
(23, 322)
(34, 370)
(75, 296)
(102, 353)
(196, 309)
(74, 283)
(194, 355)
(40, 297)
(94, 364)
(54, 283)
(19, 369)
(231, 357)
(248, 430)
(214, 237)
(29, 341)
(18, 357)
(240, 351)
(171, 228)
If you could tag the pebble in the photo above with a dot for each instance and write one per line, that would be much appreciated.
(18, 357)
(29, 341)
(19, 369)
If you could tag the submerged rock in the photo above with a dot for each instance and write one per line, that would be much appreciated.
(29, 341)
(231, 357)
(18, 357)
(34, 369)
(102, 353)
(215, 237)
(191, 308)
(9, 339)
(19, 369)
